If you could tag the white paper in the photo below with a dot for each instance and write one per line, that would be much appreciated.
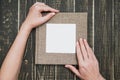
(60, 38)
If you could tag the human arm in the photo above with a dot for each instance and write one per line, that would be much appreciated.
(87, 62)
(11, 65)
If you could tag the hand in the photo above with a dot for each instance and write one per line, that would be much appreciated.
(35, 17)
(87, 62)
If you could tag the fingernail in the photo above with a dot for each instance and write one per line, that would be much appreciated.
(77, 43)
(53, 13)
(85, 40)
(80, 39)
(66, 66)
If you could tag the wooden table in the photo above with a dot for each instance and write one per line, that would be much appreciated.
(103, 36)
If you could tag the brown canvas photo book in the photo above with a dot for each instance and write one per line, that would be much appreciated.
(56, 39)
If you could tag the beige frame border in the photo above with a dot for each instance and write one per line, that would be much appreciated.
(41, 57)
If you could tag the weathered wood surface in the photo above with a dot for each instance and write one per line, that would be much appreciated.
(116, 37)
(103, 36)
(8, 25)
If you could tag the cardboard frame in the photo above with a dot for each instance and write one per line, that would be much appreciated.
(41, 57)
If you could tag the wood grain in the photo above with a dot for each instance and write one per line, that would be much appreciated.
(8, 25)
(103, 36)
(104, 46)
(116, 40)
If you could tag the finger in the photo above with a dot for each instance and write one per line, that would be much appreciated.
(51, 9)
(47, 8)
(83, 49)
(39, 3)
(73, 69)
(92, 53)
(89, 50)
(47, 17)
(43, 7)
(79, 54)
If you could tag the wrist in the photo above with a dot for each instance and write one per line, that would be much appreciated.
(26, 27)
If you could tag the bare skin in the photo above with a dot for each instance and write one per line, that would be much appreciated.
(11, 66)
(87, 62)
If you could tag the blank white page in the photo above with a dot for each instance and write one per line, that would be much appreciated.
(60, 38)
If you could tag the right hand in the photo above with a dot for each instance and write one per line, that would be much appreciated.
(87, 62)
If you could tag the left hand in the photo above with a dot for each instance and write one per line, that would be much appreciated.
(35, 18)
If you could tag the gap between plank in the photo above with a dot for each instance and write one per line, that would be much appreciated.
(93, 19)
(18, 14)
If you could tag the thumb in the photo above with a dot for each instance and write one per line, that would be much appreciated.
(73, 69)
(47, 17)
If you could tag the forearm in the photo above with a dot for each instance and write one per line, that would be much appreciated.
(12, 63)
(13, 60)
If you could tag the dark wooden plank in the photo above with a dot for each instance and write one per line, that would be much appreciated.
(90, 32)
(116, 39)
(104, 47)
(27, 69)
(81, 5)
(8, 25)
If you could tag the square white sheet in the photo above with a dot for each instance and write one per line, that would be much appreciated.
(60, 38)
